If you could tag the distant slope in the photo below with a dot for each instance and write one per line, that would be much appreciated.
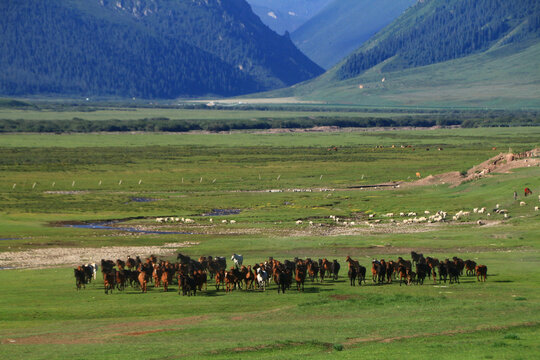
(442, 53)
(286, 15)
(344, 25)
(434, 31)
(143, 48)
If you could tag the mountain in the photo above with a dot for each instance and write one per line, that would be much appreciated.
(143, 48)
(286, 15)
(442, 53)
(344, 25)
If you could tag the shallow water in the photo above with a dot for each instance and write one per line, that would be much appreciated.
(222, 212)
(104, 226)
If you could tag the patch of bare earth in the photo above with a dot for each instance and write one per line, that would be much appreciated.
(502, 163)
(354, 341)
(105, 333)
(51, 257)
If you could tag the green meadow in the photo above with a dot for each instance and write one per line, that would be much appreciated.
(48, 181)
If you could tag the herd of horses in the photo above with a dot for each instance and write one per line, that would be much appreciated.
(193, 275)
(424, 267)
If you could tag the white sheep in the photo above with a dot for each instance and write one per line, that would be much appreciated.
(389, 215)
(401, 214)
(311, 223)
(211, 220)
(536, 208)
(298, 222)
(371, 216)
(475, 210)
(482, 210)
(159, 220)
(223, 221)
(426, 212)
(522, 203)
(232, 222)
(189, 221)
(352, 223)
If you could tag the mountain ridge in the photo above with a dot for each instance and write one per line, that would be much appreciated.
(143, 48)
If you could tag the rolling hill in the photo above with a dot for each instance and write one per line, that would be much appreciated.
(457, 53)
(344, 25)
(143, 48)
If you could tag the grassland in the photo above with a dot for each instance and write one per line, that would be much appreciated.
(502, 78)
(43, 316)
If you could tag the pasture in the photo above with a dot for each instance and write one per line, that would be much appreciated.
(50, 181)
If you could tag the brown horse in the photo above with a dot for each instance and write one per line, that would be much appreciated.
(300, 276)
(481, 273)
(220, 279)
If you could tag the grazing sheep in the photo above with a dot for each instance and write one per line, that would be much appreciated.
(536, 208)
(371, 216)
(389, 215)
(426, 212)
(232, 222)
(311, 223)
(298, 222)
(189, 221)
(401, 214)
(223, 221)
(475, 210)
(482, 210)
(159, 220)
(352, 223)
(522, 203)
(211, 220)
(506, 216)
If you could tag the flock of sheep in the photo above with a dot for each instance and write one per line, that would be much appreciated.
(411, 217)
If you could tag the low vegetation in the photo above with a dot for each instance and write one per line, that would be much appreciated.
(267, 183)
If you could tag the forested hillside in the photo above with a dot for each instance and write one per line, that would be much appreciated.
(434, 31)
(143, 48)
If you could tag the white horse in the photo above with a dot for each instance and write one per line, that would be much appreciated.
(238, 260)
(262, 278)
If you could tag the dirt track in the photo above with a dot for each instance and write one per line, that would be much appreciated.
(54, 257)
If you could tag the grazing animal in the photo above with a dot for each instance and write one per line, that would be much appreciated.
(353, 274)
(470, 267)
(109, 280)
(402, 271)
(143, 280)
(262, 278)
(415, 257)
(313, 270)
(453, 271)
(300, 276)
(220, 279)
(335, 269)
(443, 272)
(238, 260)
(187, 285)
(481, 273)
(460, 264)
(421, 272)
(80, 277)
(120, 279)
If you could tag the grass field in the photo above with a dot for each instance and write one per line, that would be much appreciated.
(49, 179)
